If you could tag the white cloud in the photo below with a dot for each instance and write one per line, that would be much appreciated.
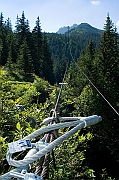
(95, 2)
(117, 24)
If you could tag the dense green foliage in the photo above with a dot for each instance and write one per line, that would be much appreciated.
(92, 153)
(44, 52)
(62, 46)
(102, 68)
(25, 52)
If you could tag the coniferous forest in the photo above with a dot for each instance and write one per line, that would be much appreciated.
(32, 63)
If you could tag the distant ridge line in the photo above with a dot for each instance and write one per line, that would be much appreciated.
(82, 26)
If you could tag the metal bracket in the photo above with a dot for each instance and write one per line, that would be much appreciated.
(26, 176)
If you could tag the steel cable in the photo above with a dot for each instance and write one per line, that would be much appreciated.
(42, 169)
(22, 164)
(78, 125)
(93, 83)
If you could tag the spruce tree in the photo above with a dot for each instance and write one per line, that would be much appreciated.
(9, 60)
(8, 25)
(36, 49)
(108, 66)
(47, 62)
(3, 33)
(86, 60)
(1, 20)
(24, 61)
(85, 66)
(22, 29)
(106, 133)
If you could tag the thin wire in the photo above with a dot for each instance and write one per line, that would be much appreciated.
(61, 89)
(64, 74)
(63, 77)
(101, 94)
(94, 85)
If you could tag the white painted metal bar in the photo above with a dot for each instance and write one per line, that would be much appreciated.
(41, 149)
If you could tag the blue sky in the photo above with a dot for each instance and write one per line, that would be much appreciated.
(58, 13)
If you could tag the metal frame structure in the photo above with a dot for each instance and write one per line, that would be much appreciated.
(41, 148)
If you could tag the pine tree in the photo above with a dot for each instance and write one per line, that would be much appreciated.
(47, 62)
(36, 49)
(1, 20)
(10, 49)
(22, 29)
(24, 61)
(8, 25)
(86, 59)
(12, 54)
(9, 60)
(4, 49)
(85, 66)
(108, 65)
(17, 24)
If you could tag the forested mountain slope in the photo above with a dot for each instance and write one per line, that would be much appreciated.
(102, 68)
(31, 51)
(79, 28)
(72, 42)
